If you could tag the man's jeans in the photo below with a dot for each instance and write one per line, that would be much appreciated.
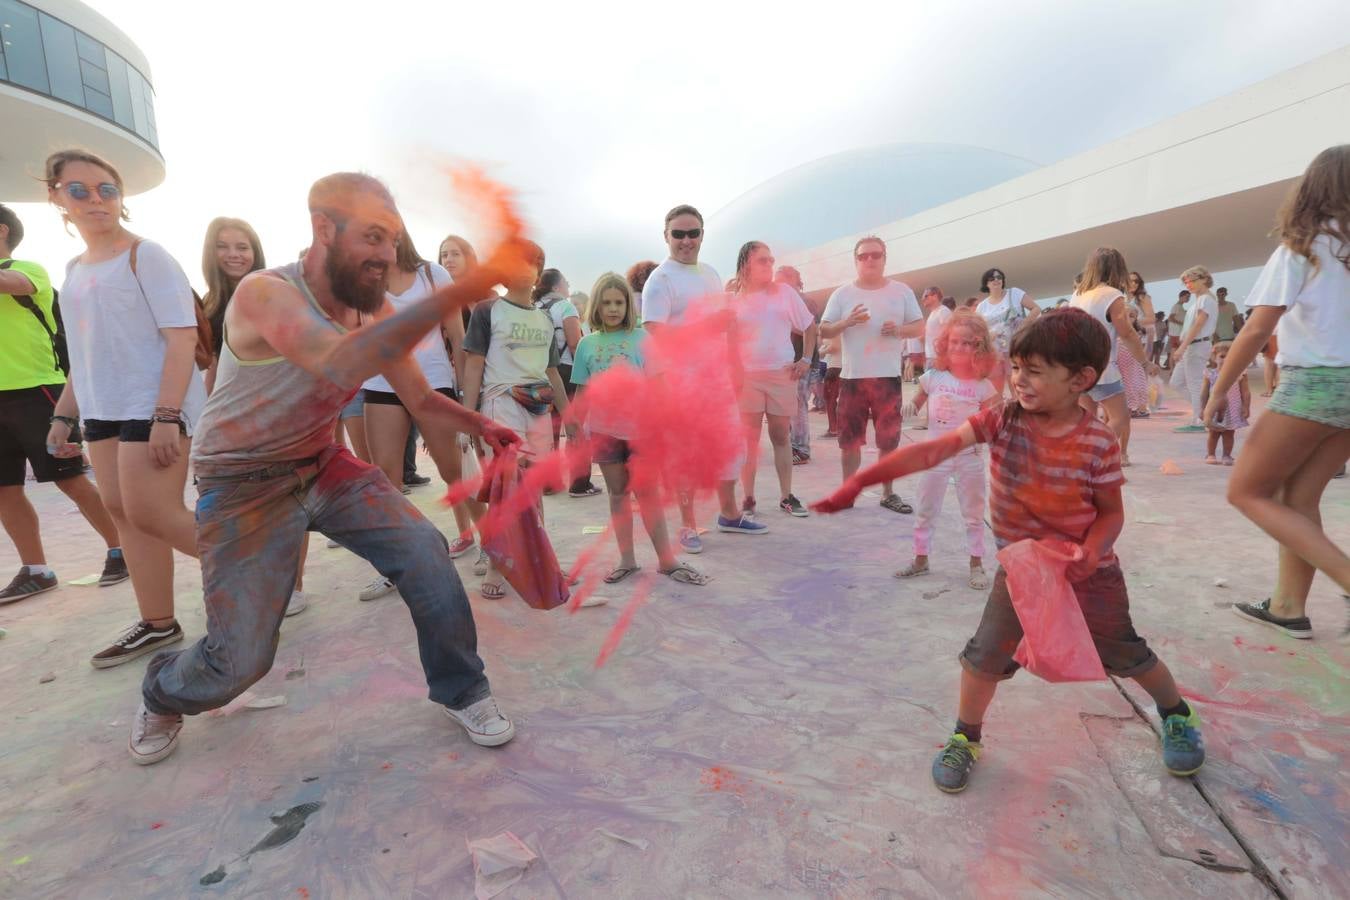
(800, 433)
(249, 530)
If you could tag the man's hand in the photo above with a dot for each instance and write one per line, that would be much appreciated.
(498, 437)
(841, 499)
(58, 441)
(858, 316)
(1082, 569)
(890, 329)
(798, 369)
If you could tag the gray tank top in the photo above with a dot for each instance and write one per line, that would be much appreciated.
(267, 411)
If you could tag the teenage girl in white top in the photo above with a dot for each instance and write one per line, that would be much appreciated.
(1303, 437)
(132, 336)
(1004, 309)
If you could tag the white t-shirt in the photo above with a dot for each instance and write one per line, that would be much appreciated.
(516, 341)
(1315, 328)
(113, 329)
(937, 320)
(765, 321)
(1004, 316)
(672, 286)
(866, 354)
(1096, 303)
(559, 312)
(1210, 305)
(952, 400)
(430, 352)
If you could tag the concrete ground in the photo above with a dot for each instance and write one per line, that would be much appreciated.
(769, 735)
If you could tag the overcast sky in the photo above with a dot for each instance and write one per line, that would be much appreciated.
(605, 114)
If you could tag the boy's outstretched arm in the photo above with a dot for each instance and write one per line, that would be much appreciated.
(898, 464)
(1101, 535)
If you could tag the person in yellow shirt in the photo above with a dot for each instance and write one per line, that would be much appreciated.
(31, 378)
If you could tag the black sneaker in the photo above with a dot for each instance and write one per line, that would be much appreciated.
(793, 507)
(1297, 627)
(114, 569)
(138, 640)
(415, 480)
(583, 489)
(26, 584)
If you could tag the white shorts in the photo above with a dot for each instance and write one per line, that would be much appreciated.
(535, 432)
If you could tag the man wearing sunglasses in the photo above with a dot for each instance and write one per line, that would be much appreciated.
(670, 297)
(872, 316)
(31, 378)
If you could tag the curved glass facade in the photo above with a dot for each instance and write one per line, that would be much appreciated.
(43, 54)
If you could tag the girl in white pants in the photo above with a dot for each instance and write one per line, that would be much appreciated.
(955, 388)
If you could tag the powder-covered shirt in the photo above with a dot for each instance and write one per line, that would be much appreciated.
(516, 341)
(1040, 486)
(596, 353)
(765, 321)
(1097, 302)
(430, 353)
(1004, 316)
(113, 319)
(673, 286)
(952, 400)
(866, 352)
(27, 358)
(1315, 327)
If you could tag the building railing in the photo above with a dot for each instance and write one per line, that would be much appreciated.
(43, 54)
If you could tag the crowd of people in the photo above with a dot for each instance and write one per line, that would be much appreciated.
(297, 394)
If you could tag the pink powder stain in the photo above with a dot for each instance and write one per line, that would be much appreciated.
(625, 619)
(156, 826)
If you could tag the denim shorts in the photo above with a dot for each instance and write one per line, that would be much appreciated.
(355, 408)
(1105, 391)
(1319, 394)
(608, 450)
(128, 431)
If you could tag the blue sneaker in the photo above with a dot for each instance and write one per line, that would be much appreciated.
(951, 768)
(690, 541)
(1183, 747)
(741, 525)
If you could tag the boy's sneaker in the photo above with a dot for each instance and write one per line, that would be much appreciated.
(138, 640)
(743, 525)
(793, 507)
(1183, 747)
(460, 546)
(951, 768)
(376, 589)
(153, 736)
(114, 569)
(412, 479)
(690, 542)
(799, 458)
(296, 605)
(584, 489)
(1297, 627)
(482, 563)
(486, 726)
(26, 584)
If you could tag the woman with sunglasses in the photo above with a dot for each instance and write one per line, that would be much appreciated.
(132, 332)
(1004, 309)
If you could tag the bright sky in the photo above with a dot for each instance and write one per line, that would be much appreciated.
(604, 114)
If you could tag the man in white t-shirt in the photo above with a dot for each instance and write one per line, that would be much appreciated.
(676, 284)
(871, 316)
(1192, 353)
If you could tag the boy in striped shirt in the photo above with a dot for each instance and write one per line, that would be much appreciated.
(1054, 473)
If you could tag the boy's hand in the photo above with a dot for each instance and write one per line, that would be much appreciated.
(1082, 568)
(841, 499)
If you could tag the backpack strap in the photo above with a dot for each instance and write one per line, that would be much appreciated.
(28, 303)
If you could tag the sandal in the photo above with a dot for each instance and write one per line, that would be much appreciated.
(492, 590)
(978, 579)
(896, 504)
(1228, 460)
(1211, 461)
(912, 570)
(686, 574)
(620, 574)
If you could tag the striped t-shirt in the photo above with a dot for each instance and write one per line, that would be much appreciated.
(1041, 487)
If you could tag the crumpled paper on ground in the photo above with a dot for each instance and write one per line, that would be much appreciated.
(498, 863)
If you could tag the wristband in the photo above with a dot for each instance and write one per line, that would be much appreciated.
(166, 419)
(72, 423)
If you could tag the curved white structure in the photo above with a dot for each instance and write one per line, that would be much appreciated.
(1202, 188)
(70, 78)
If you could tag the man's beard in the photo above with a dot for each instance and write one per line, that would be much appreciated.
(345, 282)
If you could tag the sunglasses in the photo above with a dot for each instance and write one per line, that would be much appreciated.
(680, 234)
(996, 277)
(80, 191)
(870, 255)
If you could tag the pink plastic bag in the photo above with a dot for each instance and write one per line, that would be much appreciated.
(514, 538)
(1056, 644)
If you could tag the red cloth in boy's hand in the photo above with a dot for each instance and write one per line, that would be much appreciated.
(842, 498)
(1056, 644)
(514, 539)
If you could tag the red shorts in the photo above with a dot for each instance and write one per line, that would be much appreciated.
(877, 399)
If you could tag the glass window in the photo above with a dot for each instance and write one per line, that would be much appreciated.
(23, 45)
(137, 85)
(89, 49)
(63, 66)
(96, 101)
(151, 132)
(94, 77)
(121, 91)
(4, 73)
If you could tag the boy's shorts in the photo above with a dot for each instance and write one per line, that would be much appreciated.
(1106, 608)
(535, 432)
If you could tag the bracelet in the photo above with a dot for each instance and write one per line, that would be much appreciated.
(168, 411)
(72, 423)
(168, 420)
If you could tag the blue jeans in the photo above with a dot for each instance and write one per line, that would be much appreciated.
(800, 432)
(249, 530)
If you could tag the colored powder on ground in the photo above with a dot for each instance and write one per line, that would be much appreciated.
(625, 619)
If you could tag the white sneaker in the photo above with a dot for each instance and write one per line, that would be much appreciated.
(480, 565)
(297, 604)
(486, 726)
(376, 589)
(153, 736)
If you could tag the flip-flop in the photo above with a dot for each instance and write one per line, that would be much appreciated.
(620, 574)
(491, 590)
(687, 574)
(912, 571)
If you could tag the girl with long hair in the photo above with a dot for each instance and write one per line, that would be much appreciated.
(230, 251)
(1139, 306)
(1303, 437)
(132, 331)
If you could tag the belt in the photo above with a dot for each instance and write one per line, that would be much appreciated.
(276, 470)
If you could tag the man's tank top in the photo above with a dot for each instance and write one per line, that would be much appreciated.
(267, 411)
